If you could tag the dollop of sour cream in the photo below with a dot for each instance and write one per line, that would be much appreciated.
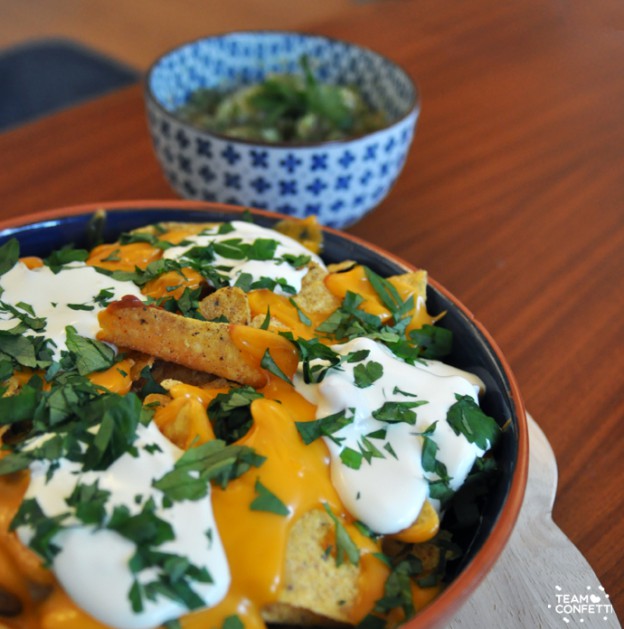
(66, 298)
(275, 268)
(92, 564)
(387, 492)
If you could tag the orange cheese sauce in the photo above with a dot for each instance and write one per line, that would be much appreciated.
(296, 473)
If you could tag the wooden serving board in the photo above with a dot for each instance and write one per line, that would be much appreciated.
(541, 580)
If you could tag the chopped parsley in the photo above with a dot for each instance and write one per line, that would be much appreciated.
(230, 413)
(25, 314)
(9, 255)
(266, 500)
(67, 255)
(213, 461)
(272, 367)
(89, 355)
(325, 426)
(346, 550)
(365, 374)
(303, 317)
(466, 417)
(395, 412)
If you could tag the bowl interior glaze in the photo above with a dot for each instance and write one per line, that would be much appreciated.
(473, 350)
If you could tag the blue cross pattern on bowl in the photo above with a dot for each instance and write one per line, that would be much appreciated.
(337, 181)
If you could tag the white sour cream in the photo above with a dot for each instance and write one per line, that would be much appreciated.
(248, 233)
(50, 295)
(92, 565)
(388, 493)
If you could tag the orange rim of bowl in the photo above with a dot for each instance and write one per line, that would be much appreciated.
(457, 591)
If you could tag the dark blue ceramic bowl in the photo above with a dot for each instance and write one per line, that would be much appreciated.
(473, 350)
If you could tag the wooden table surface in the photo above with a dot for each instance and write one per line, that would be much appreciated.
(512, 197)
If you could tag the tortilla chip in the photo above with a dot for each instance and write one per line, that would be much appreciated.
(199, 345)
(314, 587)
(416, 280)
(229, 302)
(314, 295)
(305, 231)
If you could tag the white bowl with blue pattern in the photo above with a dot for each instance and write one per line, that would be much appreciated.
(337, 181)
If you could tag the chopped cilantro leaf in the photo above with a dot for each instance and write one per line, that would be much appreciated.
(116, 432)
(9, 255)
(393, 412)
(89, 354)
(433, 342)
(44, 528)
(233, 622)
(86, 307)
(312, 354)
(303, 317)
(25, 351)
(267, 319)
(272, 367)
(266, 500)
(351, 458)
(89, 503)
(230, 413)
(198, 466)
(466, 417)
(346, 550)
(365, 374)
(64, 256)
(104, 297)
(147, 237)
(24, 313)
(296, 261)
(389, 296)
(325, 426)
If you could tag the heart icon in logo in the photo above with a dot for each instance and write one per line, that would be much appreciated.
(594, 599)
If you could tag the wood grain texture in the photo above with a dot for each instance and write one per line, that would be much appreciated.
(540, 569)
(138, 31)
(512, 197)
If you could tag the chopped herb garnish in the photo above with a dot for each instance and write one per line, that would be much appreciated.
(86, 307)
(44, 528)
(230, 413)
(267, 319)
(89, 354)
(104, 297)
(466, 417)
(232, 622)
(389, 296)
(272, 367)
(432, 341)
(296, 261)
(89, 503)
(147, 237)
(9, 255)
(25, 314)
(346, 550)
(365, 374)
(266, 500)
(64, 256)
(325, 426)
(303, 317)
(213, 461)
(313, 353)
(394, 412)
